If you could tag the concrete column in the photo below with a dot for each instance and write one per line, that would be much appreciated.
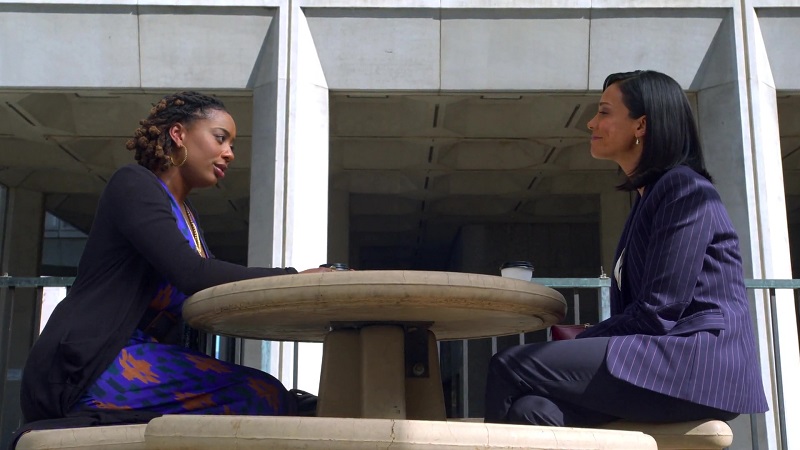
(268, 177)
(23, 219)
(737, 113)
(289, 184)
(307, 138)
(775, 259)
(307, 151)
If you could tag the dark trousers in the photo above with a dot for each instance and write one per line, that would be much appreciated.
(566, 383)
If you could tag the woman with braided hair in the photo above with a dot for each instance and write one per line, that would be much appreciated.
(111, 351)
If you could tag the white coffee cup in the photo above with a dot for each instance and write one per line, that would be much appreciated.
(520, 270)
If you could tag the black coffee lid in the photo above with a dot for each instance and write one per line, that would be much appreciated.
(522, 264)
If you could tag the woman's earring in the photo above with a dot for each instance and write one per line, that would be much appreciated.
(637, 141)
(185, 156)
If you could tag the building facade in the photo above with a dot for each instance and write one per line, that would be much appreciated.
(420, 134)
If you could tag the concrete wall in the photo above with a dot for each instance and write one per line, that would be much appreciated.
(736, 55)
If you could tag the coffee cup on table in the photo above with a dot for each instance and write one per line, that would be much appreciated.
(520, 270)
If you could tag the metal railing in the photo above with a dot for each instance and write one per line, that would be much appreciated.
(598, 287)
(601, 288)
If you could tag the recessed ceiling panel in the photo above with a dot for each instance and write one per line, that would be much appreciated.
(382, 238)
(390, 205)
(384, 182)
(482, 183)
(10, 120)
(473, 206)
(388, 116)
(13, 176)
(580, 183)
(789, 117)
(98, 152)
(790, 152)
(379, 153)
(562, 205)
(492, 154)
(503, 118)
(55, 180)
(379, 223)
(576, 155)
(36, 155)
(54, 111)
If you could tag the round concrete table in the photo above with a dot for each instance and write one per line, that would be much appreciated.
(379, 328)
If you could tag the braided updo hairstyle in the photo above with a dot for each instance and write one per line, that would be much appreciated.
(151, 141)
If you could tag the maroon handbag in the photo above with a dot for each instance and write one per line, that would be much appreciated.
(563, 332)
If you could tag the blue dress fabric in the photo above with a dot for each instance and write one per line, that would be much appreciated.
(170, 379)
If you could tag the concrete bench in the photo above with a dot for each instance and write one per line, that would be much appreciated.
(697, 435)
(252, 432)
(116, 437)
(331, 433)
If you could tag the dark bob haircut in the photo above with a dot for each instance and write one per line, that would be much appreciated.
(671, 138)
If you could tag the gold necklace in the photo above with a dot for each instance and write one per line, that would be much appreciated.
(193, 229)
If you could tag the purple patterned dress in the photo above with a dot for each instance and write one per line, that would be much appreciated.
(170, 379)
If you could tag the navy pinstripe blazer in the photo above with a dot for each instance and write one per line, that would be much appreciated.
(680, 323)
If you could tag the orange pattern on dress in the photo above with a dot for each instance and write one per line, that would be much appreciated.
(161, 300)
(193, 401)
(206, 363)
(104, 405)
(136, 369)
(266, 391)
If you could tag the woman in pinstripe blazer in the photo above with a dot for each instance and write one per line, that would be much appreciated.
(679, 344)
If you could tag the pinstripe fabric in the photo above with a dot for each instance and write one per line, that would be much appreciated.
(680, 321)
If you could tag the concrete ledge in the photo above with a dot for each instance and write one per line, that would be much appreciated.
(697, 435)
(251, 432)
(243, 432)
(117, 437)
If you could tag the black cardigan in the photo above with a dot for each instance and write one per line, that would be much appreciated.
(133, 244)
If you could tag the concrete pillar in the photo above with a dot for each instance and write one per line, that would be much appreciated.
(268, 178)
(23, 218)
(289, 185)
(737, 114)
(307, 139)
(775, 259)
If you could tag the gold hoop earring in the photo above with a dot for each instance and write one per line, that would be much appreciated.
(185, 157)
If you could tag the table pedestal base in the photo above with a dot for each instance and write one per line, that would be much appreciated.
(363, 375)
